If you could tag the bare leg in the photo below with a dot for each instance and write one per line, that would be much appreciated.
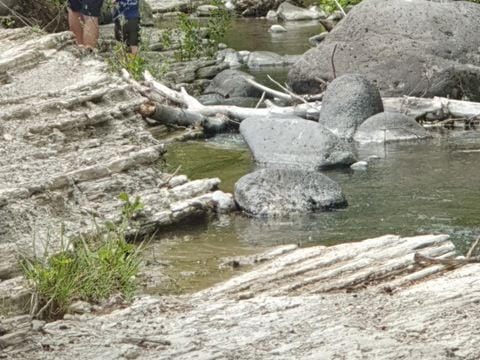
(75, 22)
(90, 31)
(134, 49)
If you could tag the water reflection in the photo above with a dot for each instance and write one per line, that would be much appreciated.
(253, 34)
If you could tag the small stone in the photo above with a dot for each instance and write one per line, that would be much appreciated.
(359, 166)
(37, 325)
(277, 29)
(80, 307)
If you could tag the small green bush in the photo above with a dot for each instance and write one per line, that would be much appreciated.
(192, 44)
(93, 269)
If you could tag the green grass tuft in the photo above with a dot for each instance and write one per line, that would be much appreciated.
(93, 269)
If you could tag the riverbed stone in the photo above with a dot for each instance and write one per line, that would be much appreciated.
(390, 126)
(258, 59)
(393, 46)
(277, 29)
(232, 83)
(289, 12)
(294, 142)
(280, 191)
(349, 101)
(271, 15)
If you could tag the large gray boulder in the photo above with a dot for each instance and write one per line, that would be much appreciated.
(281, 191)
(390, 126)
(232, 83)
(348, 101)
(294, 142)
(421, 48)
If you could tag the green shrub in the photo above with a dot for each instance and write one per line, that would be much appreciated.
(192, 44)
(93, 269)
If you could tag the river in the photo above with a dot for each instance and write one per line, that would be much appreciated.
(413, 188)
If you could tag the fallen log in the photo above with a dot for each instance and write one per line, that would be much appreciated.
(234, 112)
(169, 115)
(420, 107)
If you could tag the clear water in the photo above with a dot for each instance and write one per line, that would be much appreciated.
(413, 188)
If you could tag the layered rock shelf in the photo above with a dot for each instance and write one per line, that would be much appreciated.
(370, 299)
(71, 141)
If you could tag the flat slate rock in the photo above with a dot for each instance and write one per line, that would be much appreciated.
(295, 142)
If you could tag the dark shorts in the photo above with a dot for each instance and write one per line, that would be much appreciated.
(86, 7)
(128, 31)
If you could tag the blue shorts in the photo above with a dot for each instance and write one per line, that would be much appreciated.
(86, 7)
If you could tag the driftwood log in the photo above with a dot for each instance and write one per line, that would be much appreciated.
(192, 112)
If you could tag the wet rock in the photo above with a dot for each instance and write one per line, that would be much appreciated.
(277, 29)
(231, 57)
(281, 191)
(359, 166)
(389, 126)
(231, 83)
(165, 6)
(349, 101)
(294, 142)
(271, 15)
(256, 8)
(205, 10)
(257, 59)
(288, 12)
(425, 59)
(209, 72)
(317, 39)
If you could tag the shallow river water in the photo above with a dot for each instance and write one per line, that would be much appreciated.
(413, 188)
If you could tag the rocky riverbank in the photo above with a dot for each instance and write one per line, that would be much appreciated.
(370, 299)
(71, 142)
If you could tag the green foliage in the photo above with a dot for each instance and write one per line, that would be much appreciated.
(329, 6)
(120, 58)
(219, 22)
(93, 269)
(192, 44)
(7, 22)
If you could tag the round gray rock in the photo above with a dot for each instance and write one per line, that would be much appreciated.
(418, 48)
(390, 126)
(348, 101)
(281, 191)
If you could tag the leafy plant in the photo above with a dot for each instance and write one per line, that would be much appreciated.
(217, 26)
(93, 269)
(192, 44)
(120, 58)
(329, 6)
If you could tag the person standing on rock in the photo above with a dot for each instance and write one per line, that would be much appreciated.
(83, 21)
(127, 23)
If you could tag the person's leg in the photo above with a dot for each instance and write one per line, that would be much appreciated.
(133, 35)
(90, 31)
(75, 20)
(91, 12)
